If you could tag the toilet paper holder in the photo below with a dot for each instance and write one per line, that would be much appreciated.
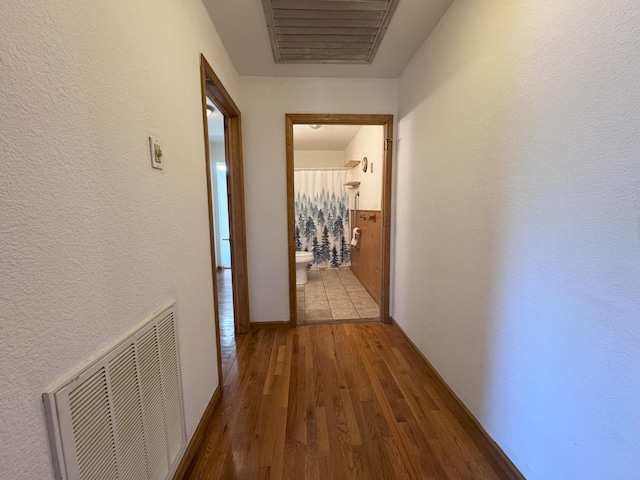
(355, 239)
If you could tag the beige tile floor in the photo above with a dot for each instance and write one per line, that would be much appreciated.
(333, 294)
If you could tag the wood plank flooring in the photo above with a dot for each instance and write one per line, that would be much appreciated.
(225, 314)
(335, 401)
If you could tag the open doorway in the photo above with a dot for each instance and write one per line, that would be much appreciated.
(221, 229)
(220, 191)
(225, 186)
(346, 242)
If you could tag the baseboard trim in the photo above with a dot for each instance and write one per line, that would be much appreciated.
(498, 459)
(188, 459)
(257, 325)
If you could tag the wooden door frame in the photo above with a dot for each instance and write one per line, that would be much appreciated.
(386, 121)
(212, 87)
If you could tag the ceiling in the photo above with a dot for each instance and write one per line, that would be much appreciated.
(242, 27)
(326, 138)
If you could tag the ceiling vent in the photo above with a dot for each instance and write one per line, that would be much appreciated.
(327, 31)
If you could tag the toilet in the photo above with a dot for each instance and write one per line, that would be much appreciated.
(302, 260)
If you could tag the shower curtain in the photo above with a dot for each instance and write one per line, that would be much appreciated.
(322, 215)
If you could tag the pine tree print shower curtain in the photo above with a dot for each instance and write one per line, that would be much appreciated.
(322, 215)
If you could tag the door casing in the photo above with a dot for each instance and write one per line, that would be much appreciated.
(212, 87)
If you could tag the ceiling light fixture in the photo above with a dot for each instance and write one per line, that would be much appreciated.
(210, 109)
(315, 126)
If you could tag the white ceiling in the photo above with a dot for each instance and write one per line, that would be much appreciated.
(243, 30)
(325, 138)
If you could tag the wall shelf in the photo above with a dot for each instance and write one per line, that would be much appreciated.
(351, 163)
(352, 184)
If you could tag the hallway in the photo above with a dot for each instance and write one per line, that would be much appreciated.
(333, 401)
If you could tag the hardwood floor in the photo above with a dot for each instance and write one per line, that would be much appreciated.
(225, 313)
(335, 401)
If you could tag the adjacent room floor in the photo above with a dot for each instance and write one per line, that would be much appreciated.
(225, 314)
(334, 294)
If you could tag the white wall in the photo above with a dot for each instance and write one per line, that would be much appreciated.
(369, 142)
(318, 159)
(266, 101)
(216, 155)
(92, 239)
(517, 229)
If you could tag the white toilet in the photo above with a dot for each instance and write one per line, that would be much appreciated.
(302, 260)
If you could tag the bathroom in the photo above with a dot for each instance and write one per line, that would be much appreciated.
(337, 182)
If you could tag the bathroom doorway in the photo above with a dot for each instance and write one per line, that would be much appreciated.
(331, 161)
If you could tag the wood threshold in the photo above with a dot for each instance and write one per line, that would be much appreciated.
(259, 325)
(186, 465)
(497, 458)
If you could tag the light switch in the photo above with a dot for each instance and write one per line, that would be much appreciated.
(157, 160)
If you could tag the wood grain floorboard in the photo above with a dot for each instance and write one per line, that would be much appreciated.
(335, 401)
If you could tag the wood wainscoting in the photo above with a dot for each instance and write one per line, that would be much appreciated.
(366, 258)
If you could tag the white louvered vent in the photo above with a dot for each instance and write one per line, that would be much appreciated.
(121, 417)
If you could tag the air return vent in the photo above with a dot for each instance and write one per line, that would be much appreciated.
(121, 417)
(327, 31)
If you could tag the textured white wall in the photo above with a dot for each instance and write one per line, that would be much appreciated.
(517, 247)
(92, 240)
(315, 158)
(369, 142)
(266, 101)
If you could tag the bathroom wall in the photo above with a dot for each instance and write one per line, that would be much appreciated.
(366, 257)
(315, 159)
(517, 228)
(367, 143)
(366, 260)
(93, 239)
(265, 102)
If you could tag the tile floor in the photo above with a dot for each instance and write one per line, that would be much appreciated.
(333, 294)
